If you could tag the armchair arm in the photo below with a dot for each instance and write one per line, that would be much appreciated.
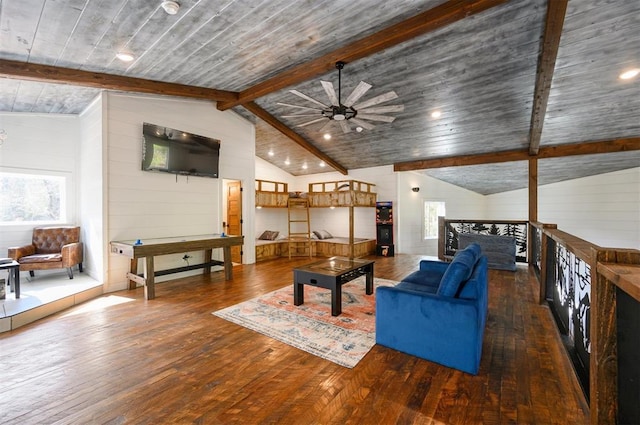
(18, 252)
(445, 330)
(72, 254)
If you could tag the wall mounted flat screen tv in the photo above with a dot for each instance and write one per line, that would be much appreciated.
(174, 151)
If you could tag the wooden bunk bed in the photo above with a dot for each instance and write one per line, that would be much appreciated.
(342, 193)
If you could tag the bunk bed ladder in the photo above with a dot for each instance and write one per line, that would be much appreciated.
(299, 228)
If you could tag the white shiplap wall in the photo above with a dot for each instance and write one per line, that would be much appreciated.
(602, 209)
(459, 203)
(91, 189)
(147, 205)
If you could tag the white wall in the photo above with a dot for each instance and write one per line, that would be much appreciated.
(40, 143)
(512, 205)
(409, 217)
(602, 209)
(145, 205)
(91, 189)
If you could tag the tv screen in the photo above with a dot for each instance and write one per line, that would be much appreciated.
(178, 152)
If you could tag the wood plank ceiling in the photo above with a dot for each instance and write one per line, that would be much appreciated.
(501, 82)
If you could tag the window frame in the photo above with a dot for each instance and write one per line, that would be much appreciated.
(66, 194)
(425, 233)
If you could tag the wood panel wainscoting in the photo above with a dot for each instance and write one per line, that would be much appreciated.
(269, 250)
(120, 359)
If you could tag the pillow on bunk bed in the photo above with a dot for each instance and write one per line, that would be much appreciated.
(322, 234)
(269, 235)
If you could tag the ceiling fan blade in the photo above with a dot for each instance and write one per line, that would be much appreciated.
(346, 128)
(362, 124)
(373, 117)
(301, 115)
(382, 109)
(378, 99)
(311, 122)
(357, 93)
(298, 106)
(305, 97)
(331, 92)
(326, 126)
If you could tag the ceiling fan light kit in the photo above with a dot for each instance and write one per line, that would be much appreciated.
(345, 113)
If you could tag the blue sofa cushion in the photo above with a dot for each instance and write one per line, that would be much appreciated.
(458, 271)
(425, 277)
(475, 249)
(468, 290)
(417, 287)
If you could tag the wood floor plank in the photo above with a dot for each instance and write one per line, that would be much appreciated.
(170, 360)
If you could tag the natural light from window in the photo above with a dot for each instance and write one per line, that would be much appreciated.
(32, 198)
(432, 209)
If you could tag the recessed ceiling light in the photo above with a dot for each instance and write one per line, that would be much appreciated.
(322, 164)
(270, 153)
(287, 162)
(627, 75)
(436, 114)
(304, 166)
(327, 136)
(125, 57)
(171, 7)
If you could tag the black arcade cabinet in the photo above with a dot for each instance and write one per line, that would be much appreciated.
(384, 229)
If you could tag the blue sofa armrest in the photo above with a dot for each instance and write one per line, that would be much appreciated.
(445, 330)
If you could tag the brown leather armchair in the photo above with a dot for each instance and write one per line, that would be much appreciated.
(51, 248)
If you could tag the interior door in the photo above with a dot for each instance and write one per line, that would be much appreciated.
(234, 217)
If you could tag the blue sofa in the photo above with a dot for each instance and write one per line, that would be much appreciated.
(439, 312)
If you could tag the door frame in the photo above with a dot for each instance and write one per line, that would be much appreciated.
(224, 215)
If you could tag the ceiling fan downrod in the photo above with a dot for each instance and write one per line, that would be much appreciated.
(341, 112)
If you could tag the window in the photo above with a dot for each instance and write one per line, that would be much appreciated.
(32, 198)
(432, 210)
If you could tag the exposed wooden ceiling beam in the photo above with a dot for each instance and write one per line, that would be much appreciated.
(53, 74)
(591, 148)
(585, 148)
(432, 19)
(281, 127)
(556, 10)
(457, 161)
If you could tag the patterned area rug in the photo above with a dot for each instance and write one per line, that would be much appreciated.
(344, 339)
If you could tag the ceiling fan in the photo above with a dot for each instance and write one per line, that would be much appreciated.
(349, 112)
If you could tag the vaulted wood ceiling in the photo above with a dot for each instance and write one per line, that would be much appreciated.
(511, 78)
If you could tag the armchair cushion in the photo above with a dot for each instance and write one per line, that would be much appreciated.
(41, 258)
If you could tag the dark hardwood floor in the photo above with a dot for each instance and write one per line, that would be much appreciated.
(170, 361)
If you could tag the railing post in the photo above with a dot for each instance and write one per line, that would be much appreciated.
(547, 259)
(603, 372)
(441, 238)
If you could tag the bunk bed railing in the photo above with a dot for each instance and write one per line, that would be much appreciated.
(271, 194)
(342, 193)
